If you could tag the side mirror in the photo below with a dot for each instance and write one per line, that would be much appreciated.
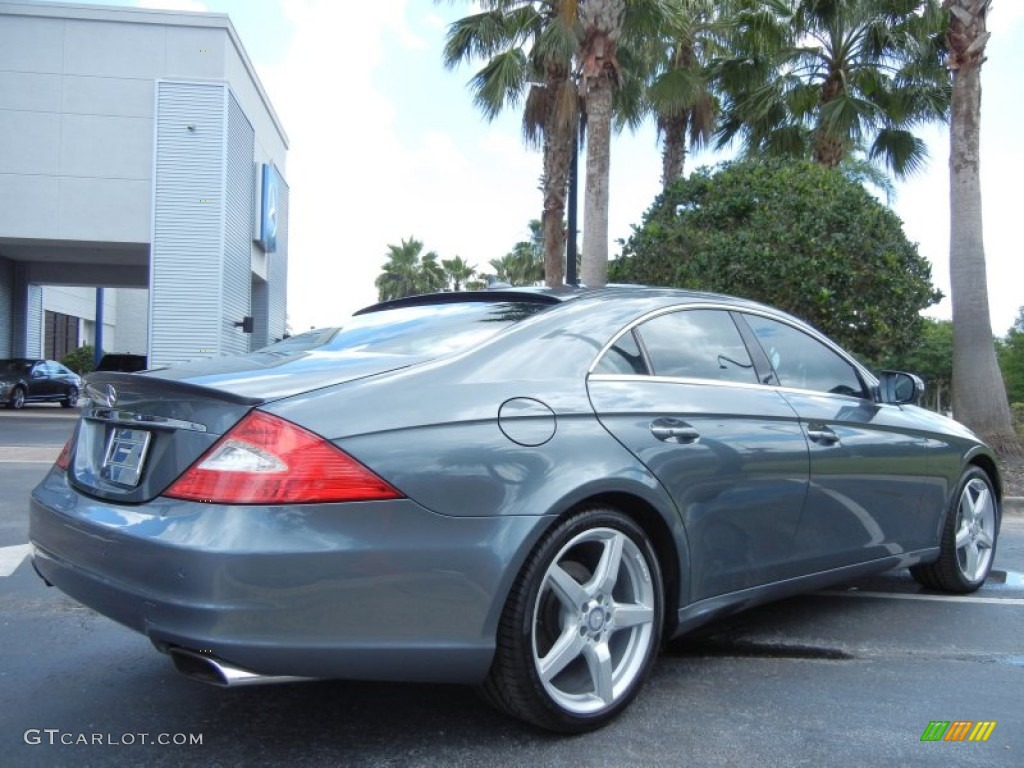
(898, 388)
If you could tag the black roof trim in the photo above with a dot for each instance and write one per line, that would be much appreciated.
(521, 295)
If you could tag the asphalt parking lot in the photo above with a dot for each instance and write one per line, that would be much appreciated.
(850, 676)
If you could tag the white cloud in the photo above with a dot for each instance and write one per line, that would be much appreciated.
(435, 21)
(356, 186)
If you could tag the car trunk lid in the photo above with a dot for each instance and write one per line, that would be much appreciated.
(139, 432)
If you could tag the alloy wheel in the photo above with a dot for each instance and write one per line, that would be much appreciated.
(593, 621)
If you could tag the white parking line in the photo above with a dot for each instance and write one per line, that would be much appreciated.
(932, 598)
(24, 454)
(11, 557)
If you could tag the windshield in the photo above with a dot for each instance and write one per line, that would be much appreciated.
(425, 330)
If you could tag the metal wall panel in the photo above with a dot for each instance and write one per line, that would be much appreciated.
(34, 324)
(26, 314)
(238, 224)
(6, 307)
(187, 251)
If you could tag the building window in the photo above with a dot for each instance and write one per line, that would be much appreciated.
(60, 335)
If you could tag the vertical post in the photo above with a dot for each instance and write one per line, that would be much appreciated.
(570, 235)
(98, 346)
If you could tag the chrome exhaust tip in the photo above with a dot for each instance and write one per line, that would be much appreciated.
(209, 669)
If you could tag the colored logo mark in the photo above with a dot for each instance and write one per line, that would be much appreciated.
(958, 730)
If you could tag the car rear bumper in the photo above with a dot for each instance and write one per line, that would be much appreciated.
(373, 590)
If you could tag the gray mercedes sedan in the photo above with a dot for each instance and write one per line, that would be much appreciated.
(528, 491)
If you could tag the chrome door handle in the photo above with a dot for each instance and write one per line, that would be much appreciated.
(674, 430)
(823, 435)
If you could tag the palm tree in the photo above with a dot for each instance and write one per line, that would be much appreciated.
(457, 272)
(603, 26)
(432, 277)
(518, 267)
(681, 94)
(979, 394)
(528, 46)
(406, 272)
(825, 78)
(524, 264)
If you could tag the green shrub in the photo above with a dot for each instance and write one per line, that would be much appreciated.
(82, 360)
(793, 234)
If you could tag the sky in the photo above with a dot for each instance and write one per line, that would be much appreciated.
(385, 144)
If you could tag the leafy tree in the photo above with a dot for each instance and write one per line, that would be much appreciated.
(792, 234)
(979, 393)
(1011, 359)
(409, 271)
(931, 358)
(824, 78)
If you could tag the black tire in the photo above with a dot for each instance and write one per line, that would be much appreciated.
(17, 398)
(71, 400)
(973, 517)
(604, 661)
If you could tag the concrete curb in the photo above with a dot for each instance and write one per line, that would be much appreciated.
(1013, 505)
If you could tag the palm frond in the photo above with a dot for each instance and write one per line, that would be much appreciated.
(478, 36)
(535, 114)
(903, 153)
(500, 83)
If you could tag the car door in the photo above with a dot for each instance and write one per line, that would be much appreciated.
(40, 383)
(868, 466)
(680, 391)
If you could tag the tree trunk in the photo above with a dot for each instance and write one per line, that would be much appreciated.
(602, 25)
(979, 395)
(559, 144)
(595, 202)
(828, 149)
(673, 151)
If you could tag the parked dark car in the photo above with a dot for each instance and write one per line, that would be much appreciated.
(37, 381)
(117, 361)
(528, 491)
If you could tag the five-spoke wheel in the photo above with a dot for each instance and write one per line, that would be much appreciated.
(582, 626)
(968, 538)
(16, 399)
(72, 398)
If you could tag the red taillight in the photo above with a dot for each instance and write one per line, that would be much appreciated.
(266, 460)
(64, 458)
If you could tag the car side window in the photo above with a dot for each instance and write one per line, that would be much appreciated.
(624, 356)
(697, 344)
(802, 362)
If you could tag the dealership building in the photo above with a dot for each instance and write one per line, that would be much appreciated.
(143, 200)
